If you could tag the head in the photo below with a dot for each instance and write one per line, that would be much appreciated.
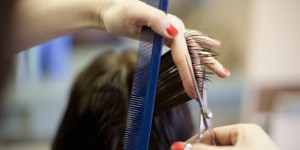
(97, 109)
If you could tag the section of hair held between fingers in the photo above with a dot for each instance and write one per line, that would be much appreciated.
(200, 45)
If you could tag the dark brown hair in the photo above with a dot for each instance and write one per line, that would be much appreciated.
(97, 110)
(6, 53)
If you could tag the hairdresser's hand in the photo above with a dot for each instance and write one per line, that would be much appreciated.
(234, 137)
(126, 17)
(180, 50)
(37, 21)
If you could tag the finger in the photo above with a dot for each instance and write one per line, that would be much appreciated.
(202, 39)
(157, 20)
(197, 39)
(215, 66)
(227, 135)
(193, 138)
(181, 56)
(199, 146)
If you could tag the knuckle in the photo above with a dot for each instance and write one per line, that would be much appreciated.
(160, 14)
(176, 19)
(157, 17)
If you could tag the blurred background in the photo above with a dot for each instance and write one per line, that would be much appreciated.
(260, 45)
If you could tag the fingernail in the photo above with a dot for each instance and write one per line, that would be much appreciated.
(226, 70)
(172, 30)
(177, 146)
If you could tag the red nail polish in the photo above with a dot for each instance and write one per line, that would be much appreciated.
(172, 30)
(177, 146)
(226, 70)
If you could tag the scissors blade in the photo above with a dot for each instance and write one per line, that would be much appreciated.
(199, 98)
(204, 90)
(205, 122)
(203, 115)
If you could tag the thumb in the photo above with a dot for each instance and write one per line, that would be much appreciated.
(200, 146)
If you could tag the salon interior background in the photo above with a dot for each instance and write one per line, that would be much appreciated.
(259, 45)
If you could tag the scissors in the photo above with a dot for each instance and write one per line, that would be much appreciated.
(205, 113)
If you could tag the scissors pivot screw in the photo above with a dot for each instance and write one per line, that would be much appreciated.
(208, 113)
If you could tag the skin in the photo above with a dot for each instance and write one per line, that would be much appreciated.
(237, 137)
(37, 21)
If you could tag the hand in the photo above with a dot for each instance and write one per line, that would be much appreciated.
(234, 137)
(126, 17)
(38, 21)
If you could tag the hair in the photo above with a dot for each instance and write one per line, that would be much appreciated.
(6, 53)
(98, 105)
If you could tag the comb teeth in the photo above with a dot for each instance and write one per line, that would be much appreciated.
(133, 128)
(141, 73)
(139, 119)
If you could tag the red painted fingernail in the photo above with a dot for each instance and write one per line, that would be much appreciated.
(226, 70)
(177, 146)
(172, 30)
